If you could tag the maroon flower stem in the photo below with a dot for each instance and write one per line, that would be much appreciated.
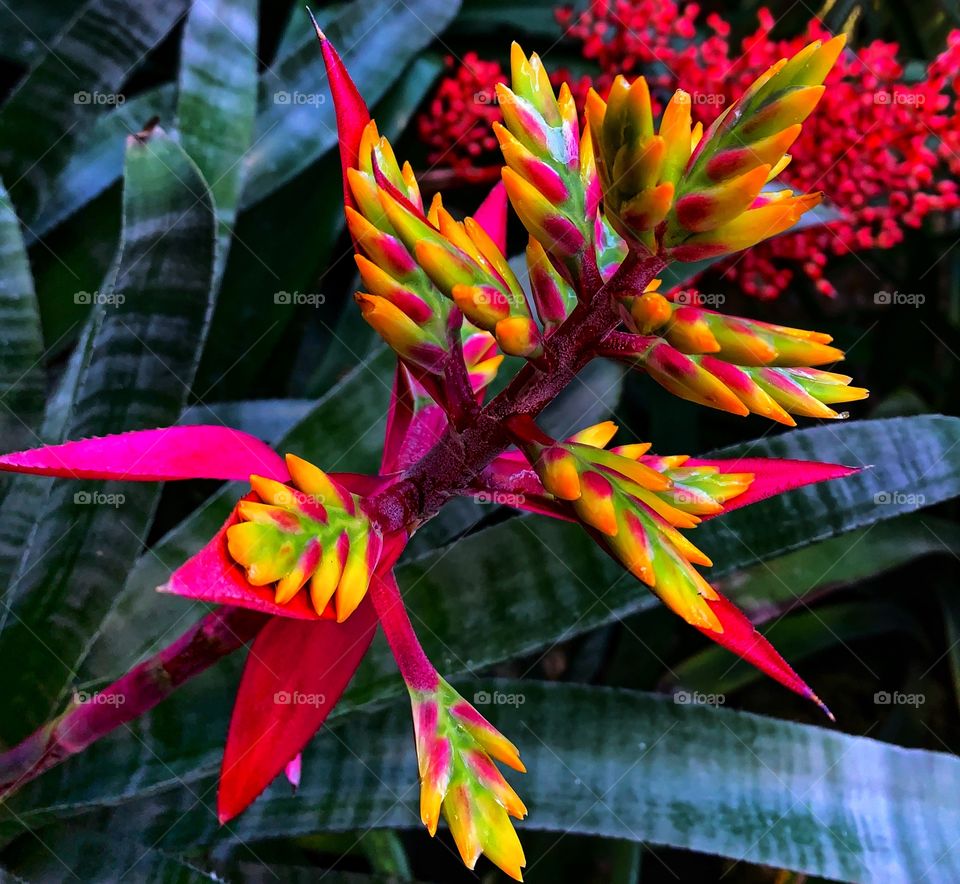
(417, 670)
(213, 637)
(447, 469)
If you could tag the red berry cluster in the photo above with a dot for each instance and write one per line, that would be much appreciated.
(884, 151)
(456, 126)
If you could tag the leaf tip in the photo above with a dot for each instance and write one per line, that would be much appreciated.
(320, 35)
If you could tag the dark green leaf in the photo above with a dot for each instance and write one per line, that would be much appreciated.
(138, 370)
(96, 162)
(21, 340)
(296, 123)
(75, 81)
(632, 766)
(218, 99)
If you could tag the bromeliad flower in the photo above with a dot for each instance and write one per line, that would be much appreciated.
(303, 566)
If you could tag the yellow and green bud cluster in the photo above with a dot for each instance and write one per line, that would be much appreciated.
(550, 173)
(695, 197)
(639, 167)
(636, 506)
(312, 532)
(415, 265)
(736, 365)
(456, 748)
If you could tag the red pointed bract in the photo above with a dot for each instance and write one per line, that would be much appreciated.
(161, 455)
(293, 678)
(411, 431)
(740, 637)
(350, 108)
(492, 216)
(772, 476)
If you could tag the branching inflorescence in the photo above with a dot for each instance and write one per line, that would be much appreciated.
(305, 561)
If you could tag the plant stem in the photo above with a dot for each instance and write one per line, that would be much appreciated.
(417, 670)
(215, 636)
(460, 455)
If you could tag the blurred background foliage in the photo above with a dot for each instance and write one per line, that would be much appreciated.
(117, 313)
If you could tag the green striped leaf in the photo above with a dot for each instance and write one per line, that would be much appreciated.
(218, 100)
(21, 339)
(78, 79)
(625, 765)
(96, 161)
(296, 124)
(139, 366)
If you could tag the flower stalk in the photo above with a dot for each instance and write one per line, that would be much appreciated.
(208, 641)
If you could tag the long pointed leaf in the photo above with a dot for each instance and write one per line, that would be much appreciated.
(21, 339)
(85, 67)
(142, 359)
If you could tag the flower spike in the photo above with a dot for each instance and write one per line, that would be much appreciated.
(638, 168)
(768, 391)
(721, 204)
(550, 173)
(456, 749)
(668, 189)
(312, 532)
(743, 341)
(636, 506)
(415, 264)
